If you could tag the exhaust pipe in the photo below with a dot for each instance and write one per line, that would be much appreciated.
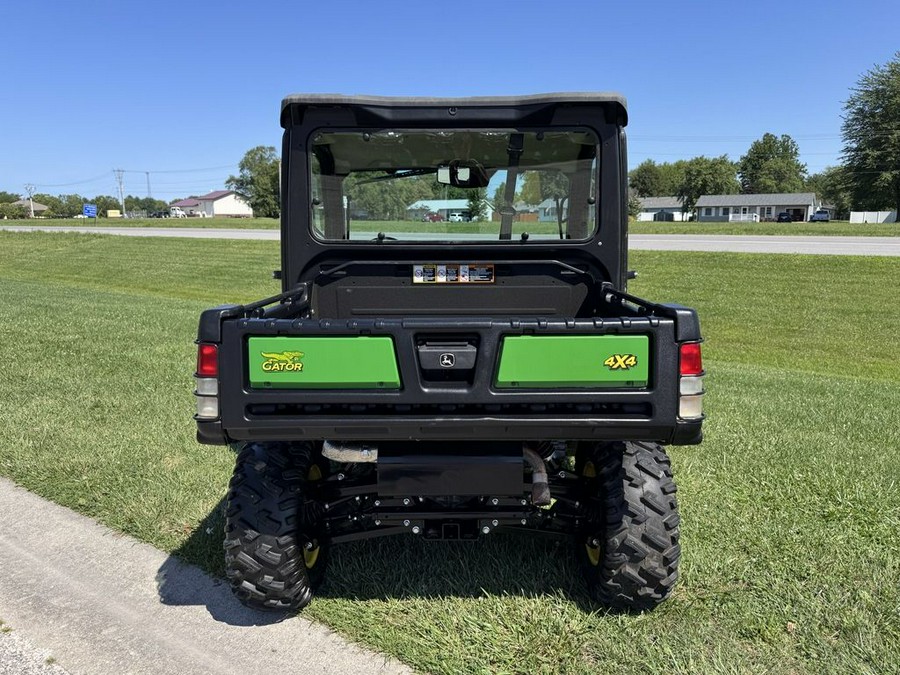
(348, 453)
(540, 488)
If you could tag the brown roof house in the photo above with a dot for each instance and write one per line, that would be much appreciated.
(221, 203)
(39, 209)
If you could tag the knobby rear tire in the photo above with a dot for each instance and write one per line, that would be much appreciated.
(629, 546)
(271, 517)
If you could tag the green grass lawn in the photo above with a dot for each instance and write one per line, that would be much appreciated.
(790, 507)
(835, 228)
(226, 223)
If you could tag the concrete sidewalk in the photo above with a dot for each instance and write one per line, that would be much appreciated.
(103, 603)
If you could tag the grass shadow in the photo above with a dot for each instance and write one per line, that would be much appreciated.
(503, 563)
(400, 567)
(194, 574)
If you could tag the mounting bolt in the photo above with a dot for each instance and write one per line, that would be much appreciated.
(523, 502)
(523, 521)
(416, 529)
(495, 501)
(485, 530)
(405, 523)
(377, 502)
(341, 476)
(378, 522)
(561, 474)
(309, 546)
(357, 498)
(595, 542)
(406, 501)
(495, 523)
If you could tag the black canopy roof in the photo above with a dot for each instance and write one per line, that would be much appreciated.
(469, 102)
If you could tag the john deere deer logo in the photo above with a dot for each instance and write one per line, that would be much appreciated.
(282, 362)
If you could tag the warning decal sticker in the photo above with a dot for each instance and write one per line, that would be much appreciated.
(453, 273)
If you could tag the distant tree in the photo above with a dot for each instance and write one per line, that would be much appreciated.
(441, 191)
(538, 186)
(385, 199)
(650, 179)
(8, 197)
(257, 181)
(707, 176)
(499, 197)
(832, 187)
(54, 204)
(70, 205)
(9, 210)
(145, 204)
(104, 203)
(477, 203)
(772, 165)
(646, 179)
(871, 131)
(634, 205)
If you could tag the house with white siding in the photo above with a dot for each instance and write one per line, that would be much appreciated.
(662, 208)
(220, 203)
(801, 205)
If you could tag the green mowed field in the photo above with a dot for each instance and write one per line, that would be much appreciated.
(210, 223)
(835, 228)
(790, 507)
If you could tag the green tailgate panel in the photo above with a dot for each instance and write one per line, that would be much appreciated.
(542, 361)
(323, 363)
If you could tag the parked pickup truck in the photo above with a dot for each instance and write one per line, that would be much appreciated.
(447, 384)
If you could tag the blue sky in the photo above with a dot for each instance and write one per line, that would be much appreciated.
(183, 89)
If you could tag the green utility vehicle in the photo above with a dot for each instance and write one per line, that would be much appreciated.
(454, 351)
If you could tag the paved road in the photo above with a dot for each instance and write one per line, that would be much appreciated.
(102, 603)
(817, 245)
(821, 245)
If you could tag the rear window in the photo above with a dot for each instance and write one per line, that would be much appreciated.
(454, 185)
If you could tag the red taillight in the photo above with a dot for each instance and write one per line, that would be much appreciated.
(207, 360)
(691, 360)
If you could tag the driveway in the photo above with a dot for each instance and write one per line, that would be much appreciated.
(103, 603)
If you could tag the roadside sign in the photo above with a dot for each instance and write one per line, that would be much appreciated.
(89, 210)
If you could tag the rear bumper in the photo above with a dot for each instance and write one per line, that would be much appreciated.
(450, 429)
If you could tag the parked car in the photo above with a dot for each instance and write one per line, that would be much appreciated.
(784, 217)
(432, 217)
(820, 216)
(458, 218)
(159, 214)
(177, 212)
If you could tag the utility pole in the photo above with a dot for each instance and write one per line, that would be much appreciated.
(29, 188)
(148, 184)
(119, 173)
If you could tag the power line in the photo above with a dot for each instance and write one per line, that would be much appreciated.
(77, 182)
(209, 168)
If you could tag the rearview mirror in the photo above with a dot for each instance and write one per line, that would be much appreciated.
(462, 173)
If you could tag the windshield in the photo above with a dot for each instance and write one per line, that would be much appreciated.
(454, 185)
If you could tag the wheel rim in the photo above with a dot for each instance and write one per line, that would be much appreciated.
(592, 549)
(311, 555)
